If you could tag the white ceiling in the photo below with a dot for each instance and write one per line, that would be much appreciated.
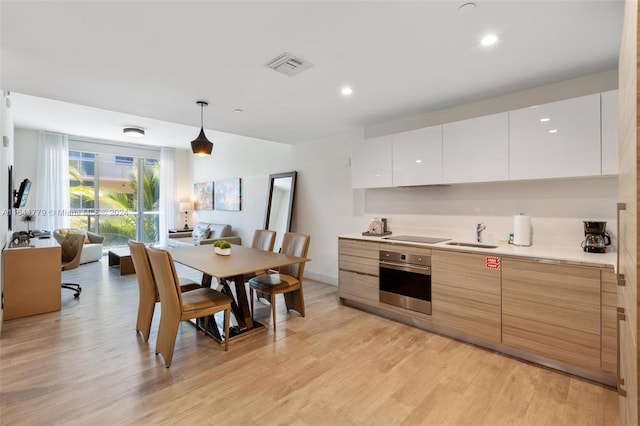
(155, 59)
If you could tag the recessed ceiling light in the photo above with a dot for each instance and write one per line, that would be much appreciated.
(489, 40)
(553, 131)
(347, 91)
(418, 161)
(544, 120)
(134, 132)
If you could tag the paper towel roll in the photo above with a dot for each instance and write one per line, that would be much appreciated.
(522, 230)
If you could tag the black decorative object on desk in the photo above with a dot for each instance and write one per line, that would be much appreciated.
(28, 218)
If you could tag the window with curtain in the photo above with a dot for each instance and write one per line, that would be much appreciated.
(117, 196)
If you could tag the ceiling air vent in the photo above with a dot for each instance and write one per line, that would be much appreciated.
(288, 64)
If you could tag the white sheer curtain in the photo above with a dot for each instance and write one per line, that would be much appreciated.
(167, 192)
(52, 182)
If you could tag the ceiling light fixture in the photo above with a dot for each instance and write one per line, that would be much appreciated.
(489, 40)
(347, 91)
(201, 145)
(467, 8)
(544, 120)
(134, 132)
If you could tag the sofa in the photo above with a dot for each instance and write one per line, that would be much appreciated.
(93, 243)
(203, 233)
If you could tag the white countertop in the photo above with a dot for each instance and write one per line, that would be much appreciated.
(573, 255)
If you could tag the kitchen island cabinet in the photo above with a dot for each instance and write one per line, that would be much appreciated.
(552, 310)
(466, 294)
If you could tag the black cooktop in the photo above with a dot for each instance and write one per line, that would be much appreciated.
(417, 239)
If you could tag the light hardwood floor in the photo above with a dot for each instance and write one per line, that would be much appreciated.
(338, 366)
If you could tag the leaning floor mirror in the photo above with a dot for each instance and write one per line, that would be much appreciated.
(280, 205)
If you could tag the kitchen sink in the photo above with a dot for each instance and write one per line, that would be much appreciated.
(474, 245)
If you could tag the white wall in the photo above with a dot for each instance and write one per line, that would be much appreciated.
(556, 207)
(26, 145)
(325, 204)
(6, 159)
(252, 160)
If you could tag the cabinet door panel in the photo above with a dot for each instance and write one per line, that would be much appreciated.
(552, 310)
(359, 248)
(465, 294)
(358, 285)
(359, 264)
(609, 326)
(610, 132)
(476, 150)
(371, 163)
(559, 139)
(417, 157)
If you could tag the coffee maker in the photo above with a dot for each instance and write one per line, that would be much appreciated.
(596, 238)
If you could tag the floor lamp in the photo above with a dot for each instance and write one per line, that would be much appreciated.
(185, 207)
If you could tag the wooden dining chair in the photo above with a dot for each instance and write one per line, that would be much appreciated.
(148, 289)
(287, 281)
(263, 239)
(177, 306)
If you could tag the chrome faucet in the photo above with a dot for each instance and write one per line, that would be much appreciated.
(479, 228)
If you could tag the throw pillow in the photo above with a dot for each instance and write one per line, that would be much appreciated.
(200, 231)
(79, 231)
(199, 234)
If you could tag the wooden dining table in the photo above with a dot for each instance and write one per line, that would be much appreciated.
(243, 261)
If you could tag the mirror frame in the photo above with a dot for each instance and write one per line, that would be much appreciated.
(272, 178)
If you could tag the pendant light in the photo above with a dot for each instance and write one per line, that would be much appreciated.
(201, 145)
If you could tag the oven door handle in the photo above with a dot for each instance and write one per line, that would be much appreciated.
(425, 270)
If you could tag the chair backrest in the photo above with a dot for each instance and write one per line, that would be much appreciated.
(71, 247)
(146, 282)
(295, 245)
(166, 278)
(263, 239)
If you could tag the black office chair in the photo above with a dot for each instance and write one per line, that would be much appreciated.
(71, 251)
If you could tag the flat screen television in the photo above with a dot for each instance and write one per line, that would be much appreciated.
(22, 194)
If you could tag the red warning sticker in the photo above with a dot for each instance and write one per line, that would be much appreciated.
(492, 262)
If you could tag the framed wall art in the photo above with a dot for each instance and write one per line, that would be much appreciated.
(203, 196)
(228, 194)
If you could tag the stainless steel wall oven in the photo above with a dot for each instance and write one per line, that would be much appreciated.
(405, 279)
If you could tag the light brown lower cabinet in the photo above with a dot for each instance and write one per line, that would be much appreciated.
(358, 270)
(608, 340)
(466, 294)
(552, 310)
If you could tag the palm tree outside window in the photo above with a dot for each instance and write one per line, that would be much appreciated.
(105, 190)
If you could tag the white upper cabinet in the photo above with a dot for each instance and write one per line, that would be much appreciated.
(417, 157)
(559, 139)
(476, 150)
(609, 132)
(371, 162)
